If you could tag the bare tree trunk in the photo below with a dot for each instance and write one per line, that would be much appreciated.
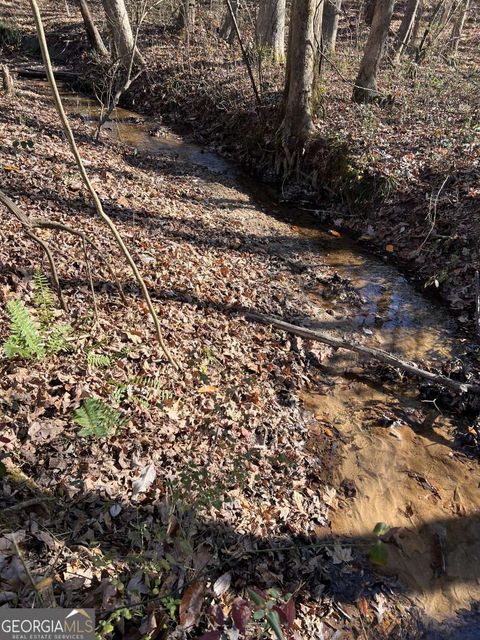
(187, 14)
(297, 121)
(369, 11)
(366, 83)
(227, 30)
(458, 25)
(7, 81)
(94, 37)
(318, 26)
(331, 15)
(406, 28)
(120, 27)
(271, 28)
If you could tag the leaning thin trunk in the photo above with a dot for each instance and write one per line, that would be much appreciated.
(416, 25)
(121, 30)
(297, 121)
(405, 31)
(227, 30)
(271, 28)
(331, 15)
(366, 83)
(94, 37)
(458, 25)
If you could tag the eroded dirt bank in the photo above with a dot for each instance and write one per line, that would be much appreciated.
(261, 441)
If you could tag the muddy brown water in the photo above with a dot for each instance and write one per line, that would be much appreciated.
(408, 478)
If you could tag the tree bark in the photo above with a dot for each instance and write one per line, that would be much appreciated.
(121, 30)
(187, 14)
(405, 31)
(458, 25)
(369, 11)
(318, 27)
(297, 121)
(227, 29)
(7, 81)
(366, 83)
(94, 37)
(271, 28)
(331, 15)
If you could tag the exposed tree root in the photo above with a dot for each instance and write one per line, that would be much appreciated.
(30, 224)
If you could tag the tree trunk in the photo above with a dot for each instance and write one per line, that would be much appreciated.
(369, 11)
(297, 121)
(187, 14)
(7, 81)
(271, 28)
(94, 38)
(458, 25)
(121, 30)
(227, 30)
(318, 9)
(366, 82)
(405, 31)
(416, 25)
(331, 15)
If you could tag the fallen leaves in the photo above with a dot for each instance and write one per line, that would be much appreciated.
(191, 604)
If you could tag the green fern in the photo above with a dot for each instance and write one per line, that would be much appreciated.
(24, 339)
(43, 299)
(97, 418)
(57, 339)
(98, 359)
(149, 386)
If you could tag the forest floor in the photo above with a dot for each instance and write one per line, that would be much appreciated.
(265, 462)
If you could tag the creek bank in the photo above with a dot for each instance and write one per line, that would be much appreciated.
(368, 184)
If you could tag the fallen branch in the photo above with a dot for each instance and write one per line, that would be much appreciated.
(371, 352)
(86, 180)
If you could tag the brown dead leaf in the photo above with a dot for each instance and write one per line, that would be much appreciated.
(210, 388)
(191, 604)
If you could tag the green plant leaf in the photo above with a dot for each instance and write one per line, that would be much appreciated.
(379, 553)
(381, 528)
(256, 597)
(273, 620)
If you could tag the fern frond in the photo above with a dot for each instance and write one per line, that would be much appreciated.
(98, 359)
(57, 340)
(97, 418)
(43, 298)
(24, 339)
(152, 386)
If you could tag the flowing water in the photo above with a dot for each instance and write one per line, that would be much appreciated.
(397, 469)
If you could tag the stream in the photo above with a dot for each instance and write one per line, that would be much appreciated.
(396, 471)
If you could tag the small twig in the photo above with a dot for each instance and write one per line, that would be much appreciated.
(27, 570)
(90, 281)
(434, 217)
(244, 53)
(26, 504)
